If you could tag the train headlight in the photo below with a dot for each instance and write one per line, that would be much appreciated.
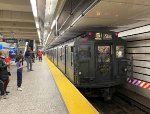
(79, 73)
(125, 69)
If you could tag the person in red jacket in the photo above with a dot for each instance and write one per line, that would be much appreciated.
(7, 60)
(40, 56)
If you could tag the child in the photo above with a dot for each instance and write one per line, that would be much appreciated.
(19, 71)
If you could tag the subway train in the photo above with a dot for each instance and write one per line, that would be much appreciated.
(95, 62)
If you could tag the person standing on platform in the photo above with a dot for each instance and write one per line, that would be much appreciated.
(32, 56)
(7, 60)
(2, 87)
(28, 58)
(40, 56)
(20, 53)
(3, 74)
(19, 71)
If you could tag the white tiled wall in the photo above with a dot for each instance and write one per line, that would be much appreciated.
(136, 47)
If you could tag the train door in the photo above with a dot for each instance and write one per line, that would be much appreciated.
(84, 63)
(57, 56)
(63, 62)
(70, 63)
(103, 62)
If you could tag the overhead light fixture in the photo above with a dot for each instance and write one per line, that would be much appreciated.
(64, 23)
(135, 31)
(34, 10)
(37, 25)
(62, 33)
(68, 28)
(89, 8)
(77, 19)
(39, 35)
(84, 12)
(34, 7)
(53, 24)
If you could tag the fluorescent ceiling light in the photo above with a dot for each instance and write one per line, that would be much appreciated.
(39, 35)
(84, 12)
(62, 33)
(34, 10)
(37, 25)
(135, 31)
(89, 8)
(34, 7)
(53, 24)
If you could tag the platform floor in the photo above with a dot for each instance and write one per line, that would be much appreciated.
(39, 96)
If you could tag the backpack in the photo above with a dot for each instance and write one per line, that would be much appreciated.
(3, 70)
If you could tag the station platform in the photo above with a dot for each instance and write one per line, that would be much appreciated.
(45, 91)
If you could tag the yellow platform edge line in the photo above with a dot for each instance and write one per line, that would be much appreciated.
(75, 102)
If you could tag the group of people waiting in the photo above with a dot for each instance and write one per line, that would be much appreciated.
(5, 63)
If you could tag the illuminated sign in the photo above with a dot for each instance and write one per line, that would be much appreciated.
(107, 36)
(98, 36)
(11, 40)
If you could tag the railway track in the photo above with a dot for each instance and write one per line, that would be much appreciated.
(119, 104)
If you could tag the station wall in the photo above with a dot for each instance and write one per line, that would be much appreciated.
(138, 46)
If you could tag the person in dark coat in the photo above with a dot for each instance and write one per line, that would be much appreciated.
(3, 73)
(28, 57)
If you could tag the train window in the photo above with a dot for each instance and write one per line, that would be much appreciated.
(71, 49)
(55, 53)
(119, 51)
(103, 54)
(61, 54)
(84, 51)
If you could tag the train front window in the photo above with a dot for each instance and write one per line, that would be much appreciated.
(119, 51)
(84, 51)
(103, 54)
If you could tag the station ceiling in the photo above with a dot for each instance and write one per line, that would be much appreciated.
(114, 15)
(73, 18)
(16, 19)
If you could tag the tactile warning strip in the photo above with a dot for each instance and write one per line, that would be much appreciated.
(75, 102)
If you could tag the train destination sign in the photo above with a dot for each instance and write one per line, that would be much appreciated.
(11, 40)
(102, 36)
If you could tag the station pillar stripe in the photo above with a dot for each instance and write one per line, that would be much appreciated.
(140, 83)
(75, 102)
(149, 87)
(134, 81)
(146, 86)
(137, 82)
